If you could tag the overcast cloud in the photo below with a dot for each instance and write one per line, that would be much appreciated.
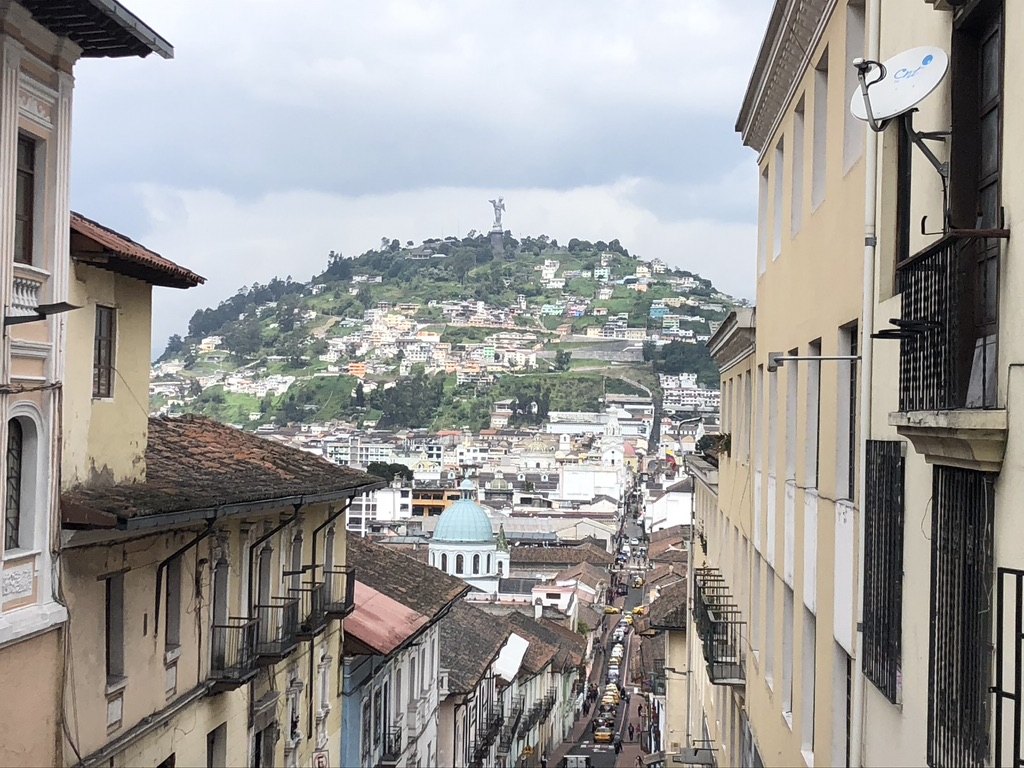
(281, 131)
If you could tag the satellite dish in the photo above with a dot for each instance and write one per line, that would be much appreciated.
(906, 80)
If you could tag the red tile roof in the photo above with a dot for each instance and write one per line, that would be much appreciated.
(195, 465)
(107, 249)
(380, 623)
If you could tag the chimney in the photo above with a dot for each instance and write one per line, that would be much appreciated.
(538, 610)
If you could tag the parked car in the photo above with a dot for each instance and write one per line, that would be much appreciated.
(634, 541)
(611, 609)
(640, 610)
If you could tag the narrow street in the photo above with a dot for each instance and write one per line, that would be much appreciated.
(603, 755)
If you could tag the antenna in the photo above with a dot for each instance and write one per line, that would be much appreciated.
(894, 89)
(899, 85)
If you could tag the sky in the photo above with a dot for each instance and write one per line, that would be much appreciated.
(282, 131)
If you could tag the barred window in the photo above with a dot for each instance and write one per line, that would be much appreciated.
(12, 510)
(959, 659)
(103, 352)
(883, 566)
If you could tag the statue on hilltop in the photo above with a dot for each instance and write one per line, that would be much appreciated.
(499, 206)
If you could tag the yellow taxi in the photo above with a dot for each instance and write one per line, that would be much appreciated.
(603, 736)
(628, 618)
(611, 609)
(613, 692)
(640, 610)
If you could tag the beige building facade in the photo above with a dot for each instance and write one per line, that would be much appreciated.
(944, 571)
(775, 582)
(39, 46)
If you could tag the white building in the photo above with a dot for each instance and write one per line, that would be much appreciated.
(464, 544)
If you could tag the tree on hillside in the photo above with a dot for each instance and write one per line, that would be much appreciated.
(562, 358)
(389, 472)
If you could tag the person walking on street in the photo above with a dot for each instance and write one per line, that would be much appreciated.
(632, 731)
(639, 761)
(617, 741)
(543, 760)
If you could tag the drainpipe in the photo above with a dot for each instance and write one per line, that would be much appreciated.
(331, 517)
(252, 551)
(163, 567)
(867, 358)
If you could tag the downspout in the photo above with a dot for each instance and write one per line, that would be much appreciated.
(163, 567)
(252, 550)
(867, 360)
(331, 517)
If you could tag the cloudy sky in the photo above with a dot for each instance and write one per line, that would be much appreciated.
(281, 131)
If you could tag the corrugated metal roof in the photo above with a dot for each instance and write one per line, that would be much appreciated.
(379, 622)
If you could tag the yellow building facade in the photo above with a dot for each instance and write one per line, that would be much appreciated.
(203, 568)
(39, 46)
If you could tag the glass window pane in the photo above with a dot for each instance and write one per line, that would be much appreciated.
(990, 143)
(991, 69)
(20, 240)
(12, 516)
(988, 203)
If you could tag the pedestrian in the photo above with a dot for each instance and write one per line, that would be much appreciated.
(628, 694)
(639, 710)
(543, 760)
(593, 725)
(639, 761)
(617, 741)
(632, 731)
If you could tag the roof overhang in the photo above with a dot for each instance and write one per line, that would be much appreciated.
(794, 30)
(81, 516)
(101, 28)
(734, 340)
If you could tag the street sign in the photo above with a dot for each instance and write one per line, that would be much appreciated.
(321, 759)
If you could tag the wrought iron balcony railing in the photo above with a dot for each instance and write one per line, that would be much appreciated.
(391, 752)
(948, 328)
(339, 592)
(508, 731)
(233, 653)
(312, 597)
(720, 627)
(278, 630)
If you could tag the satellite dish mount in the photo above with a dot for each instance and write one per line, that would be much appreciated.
(893, 90)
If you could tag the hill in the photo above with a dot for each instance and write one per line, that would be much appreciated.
(430, 335)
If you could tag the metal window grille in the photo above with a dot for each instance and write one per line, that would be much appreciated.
(961, 617)
(852, 432)
(12, 512)
(883, 565)
(1009, 687)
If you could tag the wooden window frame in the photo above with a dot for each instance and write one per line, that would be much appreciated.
(104, 352)
(25, 189)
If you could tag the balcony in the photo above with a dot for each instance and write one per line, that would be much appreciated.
(26, 290)
(531, 719)
(391, 752)
(548, 704)
(948, 334)
(720, 628)
(339, 592)
(312, 597)
(278, 631)
(233, 654)
(508, 731)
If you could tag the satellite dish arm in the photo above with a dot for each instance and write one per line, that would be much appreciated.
(863, 66)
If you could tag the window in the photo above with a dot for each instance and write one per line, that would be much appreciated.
(792, 372)
(552, 596)
(780, 155)
(755, 605)
(217, 747)
(501, 568)
(172, 627)
(378, 718)
(813, 421)
(103, 352)
(796, 212)
(769, 626)
(444, 562)
(476, 564)
(959, 663)
(853, 129)
(820, 138)
(807, 683)
(846, 436)
(787, 653)
(759, 416)
(773, 420)
(762, 222)
(459, 563)
(488, 563)
(842, 701)
(25, 200)
(883, 566)
(367, 728)
(114, 617)
(12, 510)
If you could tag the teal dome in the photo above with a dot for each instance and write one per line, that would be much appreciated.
(464, 521)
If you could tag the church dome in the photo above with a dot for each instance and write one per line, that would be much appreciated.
(464, 522)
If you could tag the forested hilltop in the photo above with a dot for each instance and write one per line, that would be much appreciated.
(431, 335)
